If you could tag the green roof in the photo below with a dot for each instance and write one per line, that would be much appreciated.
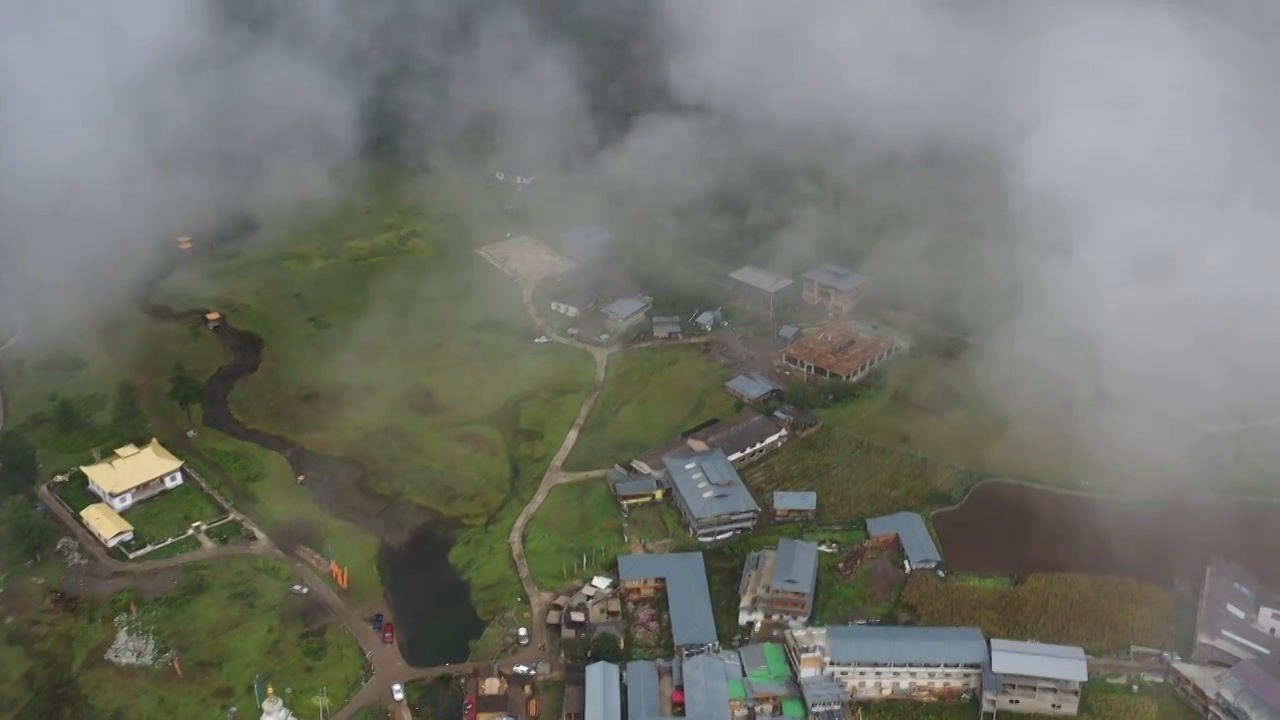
(737, 689)
(776, 659)
(792, 708)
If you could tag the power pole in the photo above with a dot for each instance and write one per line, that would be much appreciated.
(257, 682)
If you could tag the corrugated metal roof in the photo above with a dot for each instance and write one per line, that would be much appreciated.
(688, 597)
(1040, 660)
(822, 690)
(795, 567)
(916, 541)
(795, 500)
(761, 279)
(788, 332)
(1253, 686)
(839, 277)
(638, 486)
(627, 307)
(706, 688)
(604, 692)
(705, 318)
(644, 695)
(899, 645)
(709, 484)
(753, 386)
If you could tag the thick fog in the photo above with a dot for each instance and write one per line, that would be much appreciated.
(1087, 188)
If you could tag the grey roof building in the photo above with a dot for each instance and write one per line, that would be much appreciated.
(1236, 620)
(761, 279)
(752, 387)
(644, 695)
(836, 277)
(795, 500)
(903, 645)
(585, 244)
(1249, 690)
(710, 495)
(707, 319)
(667, 326)
(1039, 660)
(627, 311)
(684, 576)
(762, 291)
(913, 535)
(744, 438)
(706, 688)
(779, 584)
(603, 692)
(788, 332)
(1032, 677)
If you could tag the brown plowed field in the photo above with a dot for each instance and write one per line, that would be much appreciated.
(1006, 528)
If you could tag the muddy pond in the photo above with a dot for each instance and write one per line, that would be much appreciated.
(1013, 529)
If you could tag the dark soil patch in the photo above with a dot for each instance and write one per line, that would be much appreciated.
(1011, 529)
(885, 576)
(424, 402)
(96, 581)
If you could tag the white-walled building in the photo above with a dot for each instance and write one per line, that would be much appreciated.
(134, 474)
(877, 661)
(106, 524)
(1033, 677)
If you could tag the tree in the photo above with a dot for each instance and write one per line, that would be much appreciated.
(19, 468)
(67, 418)
(126, 414)
(184, 389)
(24, 529)
(606, 646)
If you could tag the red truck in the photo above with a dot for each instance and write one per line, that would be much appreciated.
(388, 633)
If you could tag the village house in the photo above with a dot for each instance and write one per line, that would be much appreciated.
(626, 312)
(762, 292)
(213, 320)
(644, 690)
(1236, 619)
(753, 387)
(683, 576)
(834, 286)
(707, 320)
(711, 497)
(876, 662)
(603, 692)
(1248, 690)
(106, 524)
(907, 531)
(838, 351)
(798, 422)
(778, 584)
(631, 489)
(575, 701)
(575, 295)
(1033, 677)
(795, 504)
(744, 438)
(134, 474)
(788, 333)
(667, 327)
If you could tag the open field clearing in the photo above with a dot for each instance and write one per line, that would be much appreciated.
(577, 519)
(1102, 614)
(225, 622)
(649, 396)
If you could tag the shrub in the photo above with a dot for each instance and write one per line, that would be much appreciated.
(1101, 613)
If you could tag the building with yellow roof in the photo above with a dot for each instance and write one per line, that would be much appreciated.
(106, 524)
(134, 474)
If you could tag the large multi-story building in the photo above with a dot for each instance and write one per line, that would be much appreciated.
(876, 661)
(1236, 619)
(1249, 690)
(779, 584)
(711, 497)
(834, 286)
(1032, 677)
(761, 291)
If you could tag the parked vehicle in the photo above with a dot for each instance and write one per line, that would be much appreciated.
(388, 633)
(377, 621)
(523, 670)
(542, 339)
(522, 634)
(299, 589)
(397, 692)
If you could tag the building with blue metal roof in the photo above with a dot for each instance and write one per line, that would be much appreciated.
(779, 584)
(711, 497)
(912, 534)
(752, 387)
(603, 692)
(684, 578)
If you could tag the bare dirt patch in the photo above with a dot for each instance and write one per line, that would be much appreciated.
(526, 259)
(95, 581)
(1010, 529)
(884, 576)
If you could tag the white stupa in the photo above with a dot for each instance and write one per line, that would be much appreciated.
(273, 707)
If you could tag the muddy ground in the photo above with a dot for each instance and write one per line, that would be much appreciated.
(1004, 528)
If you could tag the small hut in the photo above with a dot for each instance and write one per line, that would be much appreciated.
(213, 319)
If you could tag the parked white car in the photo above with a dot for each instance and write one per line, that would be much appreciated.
(522, 635)
(523, 670)
(542, 339)
(397, 692)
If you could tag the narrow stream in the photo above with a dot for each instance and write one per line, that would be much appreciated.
(430, 601)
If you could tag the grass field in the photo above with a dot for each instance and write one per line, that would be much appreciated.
(227, 620)
(856, 478)
(649, 396)
(387, 340)
(1103, 614)
(172, 512)
(576, 519)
